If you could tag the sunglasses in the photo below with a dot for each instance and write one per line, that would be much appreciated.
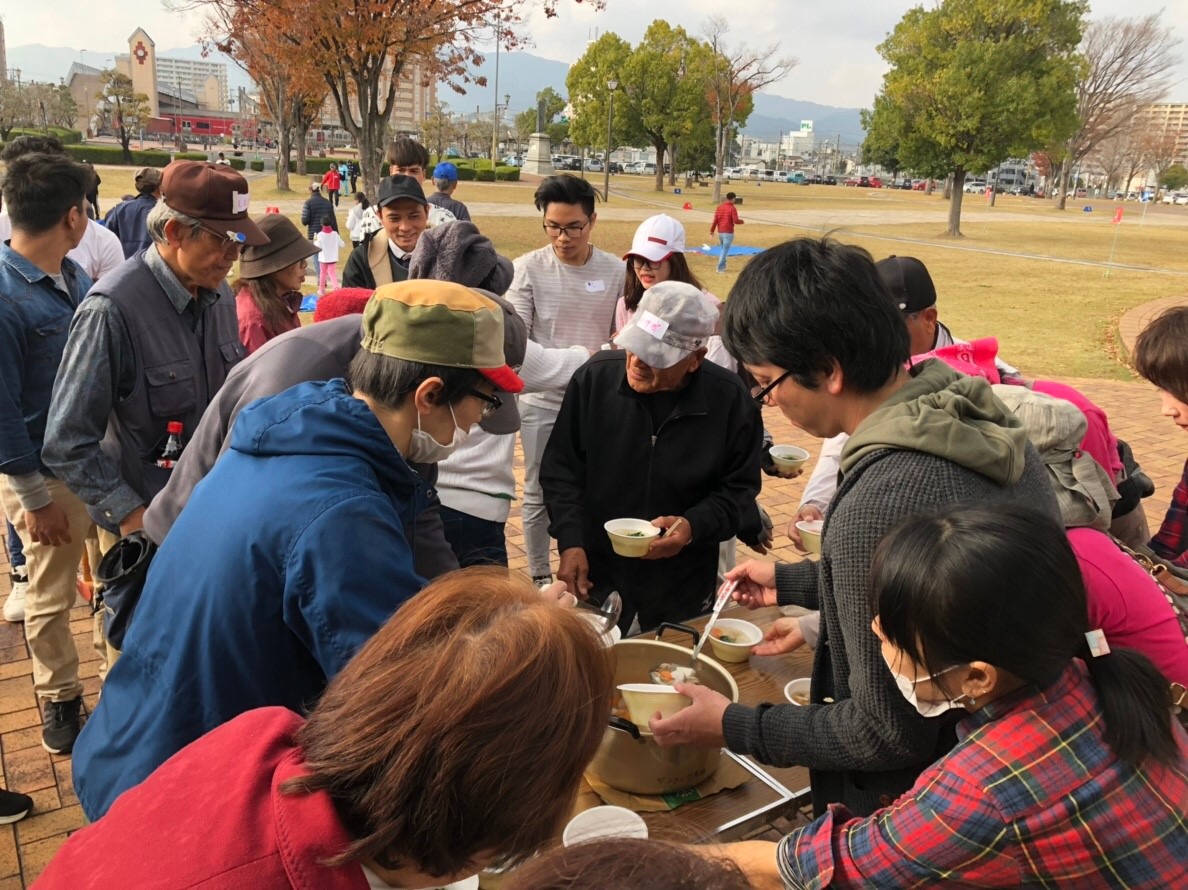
(491, 403)
(760, 393)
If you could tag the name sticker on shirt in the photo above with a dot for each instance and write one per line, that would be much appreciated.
(648, 322)
(595, 287)
(239, 203)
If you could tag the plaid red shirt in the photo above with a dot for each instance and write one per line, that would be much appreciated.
(1169, 542)
(1031, 796)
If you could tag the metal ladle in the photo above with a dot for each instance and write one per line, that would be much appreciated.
(610, 610)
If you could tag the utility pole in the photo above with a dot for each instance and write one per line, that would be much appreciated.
(495, 121)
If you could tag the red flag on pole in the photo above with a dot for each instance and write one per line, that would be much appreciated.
(1118, 216)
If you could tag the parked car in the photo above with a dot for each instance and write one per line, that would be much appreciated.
(648, 170)
(860, 182)
(874, 182)
(616, 167)
(830, 180)
(814, 179)
(594, 165)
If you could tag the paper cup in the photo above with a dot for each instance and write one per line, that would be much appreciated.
(645, 699)
(810, 534)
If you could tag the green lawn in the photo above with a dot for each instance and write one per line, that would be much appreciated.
(1004, 278)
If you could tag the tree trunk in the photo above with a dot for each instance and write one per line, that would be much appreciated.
(300, 133)
(948, 190)
(284, 149)
(1062, 197)
(661, 150)
(672, 164)
(719, 161)
(958, 179)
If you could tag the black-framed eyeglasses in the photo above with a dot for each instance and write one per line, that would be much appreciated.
(573, 230)
(641, 262)
(760, 393)
(227, 238)
(491, 404)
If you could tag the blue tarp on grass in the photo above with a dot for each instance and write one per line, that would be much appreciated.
(735, 250)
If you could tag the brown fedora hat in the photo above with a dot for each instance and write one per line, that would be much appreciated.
(286, 245)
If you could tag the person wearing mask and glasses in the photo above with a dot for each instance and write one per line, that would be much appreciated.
(299, 575)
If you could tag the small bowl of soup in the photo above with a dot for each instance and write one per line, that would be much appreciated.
(810, 534)
(631, 537)
(732, 639)
(797, 691)
(788, 458)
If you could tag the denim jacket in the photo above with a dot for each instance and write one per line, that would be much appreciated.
(34, 322)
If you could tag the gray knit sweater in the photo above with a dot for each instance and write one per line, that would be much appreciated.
(868, 746)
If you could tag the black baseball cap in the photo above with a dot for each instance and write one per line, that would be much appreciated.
(393, 188)
(908, 282)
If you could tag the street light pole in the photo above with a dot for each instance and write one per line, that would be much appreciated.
(611, 86)
(495, 122)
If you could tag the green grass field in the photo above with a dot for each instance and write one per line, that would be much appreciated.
(1024, 272)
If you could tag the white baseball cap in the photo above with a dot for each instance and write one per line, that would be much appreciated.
(657, 238)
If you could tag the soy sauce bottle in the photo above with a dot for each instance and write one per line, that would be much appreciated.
(173, 446)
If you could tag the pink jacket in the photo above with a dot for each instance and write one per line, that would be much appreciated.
(212, 816)
(1126, 603)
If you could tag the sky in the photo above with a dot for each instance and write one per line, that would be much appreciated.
(834, 41)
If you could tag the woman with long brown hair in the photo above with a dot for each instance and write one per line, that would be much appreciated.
(457, 735)
(268, 289)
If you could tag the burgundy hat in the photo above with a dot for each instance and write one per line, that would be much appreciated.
(212, 193)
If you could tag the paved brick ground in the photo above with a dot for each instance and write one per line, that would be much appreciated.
(26, 847)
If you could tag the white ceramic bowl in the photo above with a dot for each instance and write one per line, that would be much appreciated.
(747, 634)
(810, 534)
(795, 688)
(788, 458)
(603, 822)
(631, 537)
(645, 699)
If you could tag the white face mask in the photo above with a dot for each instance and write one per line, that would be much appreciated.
(424, 449)
(925, 708)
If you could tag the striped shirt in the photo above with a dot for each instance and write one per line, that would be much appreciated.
(565, 306)
(1030, 797)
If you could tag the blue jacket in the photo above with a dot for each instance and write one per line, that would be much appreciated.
(34, 323)
(129, 221)
(289, 555)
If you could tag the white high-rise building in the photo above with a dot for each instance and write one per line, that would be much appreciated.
(205, 80)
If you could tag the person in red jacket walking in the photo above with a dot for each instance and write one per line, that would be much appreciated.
(725, 219)
(333, 182)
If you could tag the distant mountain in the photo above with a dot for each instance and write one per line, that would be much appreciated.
(521, 76)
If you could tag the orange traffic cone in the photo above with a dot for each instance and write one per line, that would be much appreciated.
(687, 206)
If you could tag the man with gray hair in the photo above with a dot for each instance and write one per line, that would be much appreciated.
(684, 455)
(151, 345)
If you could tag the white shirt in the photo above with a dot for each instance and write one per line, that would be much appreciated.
(564, 305)
(98, 253)
(329, 243)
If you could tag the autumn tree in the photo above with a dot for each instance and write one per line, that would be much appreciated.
(128, 110)
(734, 75)
(12, 107)
(1160, 148)
(437, 130)
(975, 82)
(1126, 63)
